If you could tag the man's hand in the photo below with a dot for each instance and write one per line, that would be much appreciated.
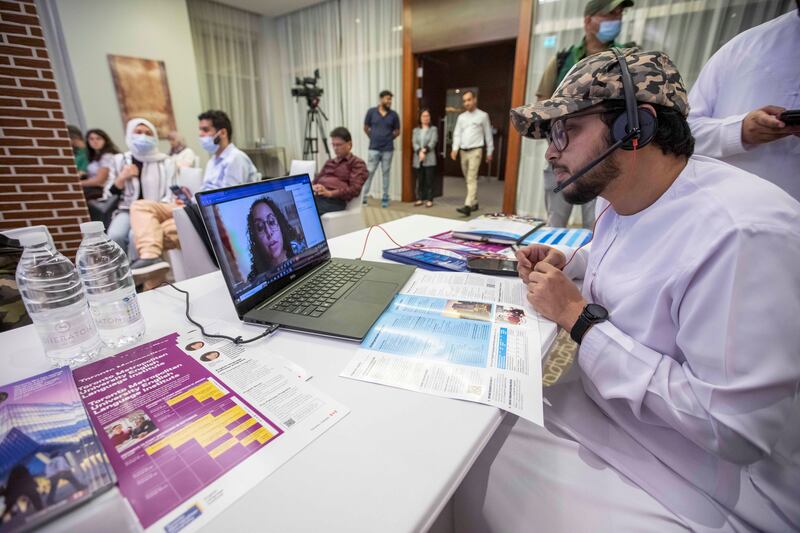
(422, 155)
(488, 158)
(454, 154)
(528, 257)
(554, 296)
(320, 190)
(763, 126)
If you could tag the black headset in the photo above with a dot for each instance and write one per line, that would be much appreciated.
(633, 123)
(633, 128)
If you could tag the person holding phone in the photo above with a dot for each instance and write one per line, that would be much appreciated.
(738, 99)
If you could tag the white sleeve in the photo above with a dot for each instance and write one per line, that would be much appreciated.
(576, 269)
(170, 178)
(737, 330)
(457, 134)
(240, 170)
(714, 136)
(487, 134)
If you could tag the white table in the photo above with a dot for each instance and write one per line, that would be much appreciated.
(391, 465)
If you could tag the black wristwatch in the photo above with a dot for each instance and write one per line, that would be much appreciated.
(592, 314)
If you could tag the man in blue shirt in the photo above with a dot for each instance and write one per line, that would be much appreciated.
(381, 125)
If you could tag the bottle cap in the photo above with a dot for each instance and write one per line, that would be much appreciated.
(34, 238)
(92, 227)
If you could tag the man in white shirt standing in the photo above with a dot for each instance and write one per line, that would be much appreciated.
(681, 409)
(472, 132)
(739, 96)
(152, 222)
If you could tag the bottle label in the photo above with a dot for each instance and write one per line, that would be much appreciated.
(66, 332)
(117, 314)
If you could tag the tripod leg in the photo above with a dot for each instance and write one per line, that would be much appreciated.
(310, 141)
(324, 137)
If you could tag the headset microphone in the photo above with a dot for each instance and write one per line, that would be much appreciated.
(630, 135)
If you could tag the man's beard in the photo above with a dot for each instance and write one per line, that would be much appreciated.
(593, 183)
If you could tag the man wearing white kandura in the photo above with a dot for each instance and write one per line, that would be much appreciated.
(738, 99)
(681, 409)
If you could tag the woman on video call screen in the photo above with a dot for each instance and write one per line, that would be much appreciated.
(272, 239)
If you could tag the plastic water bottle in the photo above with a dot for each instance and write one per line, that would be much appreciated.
(106, 276)
(53, 295)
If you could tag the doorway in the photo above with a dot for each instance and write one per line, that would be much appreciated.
(487, 70)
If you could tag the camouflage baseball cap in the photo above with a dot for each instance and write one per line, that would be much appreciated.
(602, 7)
(596, 79)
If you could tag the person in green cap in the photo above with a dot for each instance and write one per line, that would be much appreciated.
(602, 22)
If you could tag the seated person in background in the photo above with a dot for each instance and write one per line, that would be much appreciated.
(181, 155)
(151, 220)
(271, 238)
(143, 172)
(341, 177)
(101, 160)
(79, 150)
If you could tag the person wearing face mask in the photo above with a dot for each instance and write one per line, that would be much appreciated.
(152, 223)
(141, 173)
(602, 23)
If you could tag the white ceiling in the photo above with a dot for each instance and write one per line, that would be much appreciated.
(270, 8)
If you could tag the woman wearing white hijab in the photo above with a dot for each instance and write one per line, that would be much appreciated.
(143, 172)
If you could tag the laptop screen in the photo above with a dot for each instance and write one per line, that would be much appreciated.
(263, 232)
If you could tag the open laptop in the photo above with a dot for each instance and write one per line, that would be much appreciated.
(271, 248)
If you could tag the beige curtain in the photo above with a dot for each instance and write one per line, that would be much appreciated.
(226, 47)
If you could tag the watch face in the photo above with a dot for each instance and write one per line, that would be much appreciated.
(596, 312)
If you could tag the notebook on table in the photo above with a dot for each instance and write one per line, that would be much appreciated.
(270, 245)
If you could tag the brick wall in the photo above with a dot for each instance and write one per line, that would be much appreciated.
(38, 180)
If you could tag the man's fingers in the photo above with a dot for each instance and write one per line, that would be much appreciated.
(773, 109)
(537, 277)
(768, 121)
(554, 257)
(544, 267)
(523, 259)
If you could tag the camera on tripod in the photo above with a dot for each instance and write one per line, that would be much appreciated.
(307, 88)
(315, 116)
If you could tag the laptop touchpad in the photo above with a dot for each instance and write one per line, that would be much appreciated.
(374, 292)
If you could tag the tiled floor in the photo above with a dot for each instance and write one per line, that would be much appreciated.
(490, 198)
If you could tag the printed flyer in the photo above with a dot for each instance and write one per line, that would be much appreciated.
(190, 424)
(464, 336)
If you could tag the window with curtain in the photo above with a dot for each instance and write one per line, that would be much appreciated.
(690, 31)
(357, 47)
(226, 46)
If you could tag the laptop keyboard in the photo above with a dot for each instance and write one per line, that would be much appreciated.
(319, 293)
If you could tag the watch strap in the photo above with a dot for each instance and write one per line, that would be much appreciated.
(580, 328)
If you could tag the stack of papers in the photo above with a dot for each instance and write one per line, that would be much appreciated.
(465, 336)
